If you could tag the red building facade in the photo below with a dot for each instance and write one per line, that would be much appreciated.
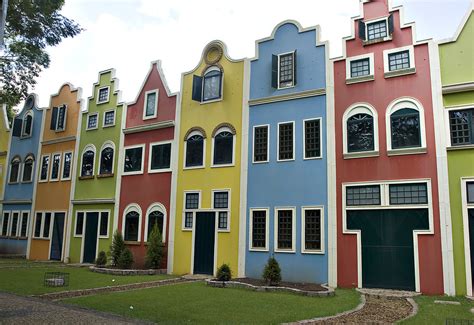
(147, 164)
(388, 216)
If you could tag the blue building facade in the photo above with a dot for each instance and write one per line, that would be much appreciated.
(287, 180)
(20, 179)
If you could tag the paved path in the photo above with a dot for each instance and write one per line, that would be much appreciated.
(25, 310)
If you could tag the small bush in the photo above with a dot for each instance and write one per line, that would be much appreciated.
(125, 260)
(117, 247)
(272, 272)
(101, 260)
(154, 251)
(224, 273)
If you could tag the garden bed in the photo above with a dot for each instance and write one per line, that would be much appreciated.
(105, 270)
(304, 289)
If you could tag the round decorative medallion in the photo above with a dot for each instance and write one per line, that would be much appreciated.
(213, 55)
(29, 103)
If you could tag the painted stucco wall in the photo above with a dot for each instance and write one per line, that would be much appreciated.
(4, 139)
(299, 183)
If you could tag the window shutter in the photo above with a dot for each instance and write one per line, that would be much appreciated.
(274, 71)
(54, 118)
(197, 88)
(361, 30)
(294, 68)
(390, 24)
(17, 127)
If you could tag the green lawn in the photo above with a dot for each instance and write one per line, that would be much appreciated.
(431, 313)
(198, 303)
(29, 280)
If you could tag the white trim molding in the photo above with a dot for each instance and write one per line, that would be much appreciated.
(276, 249)
(401, 72)
(267, 230)
(369, 77)
(322, 250)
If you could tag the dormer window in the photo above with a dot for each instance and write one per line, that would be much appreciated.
(58, 118)
(284, 70)
(360, 68)
(27, 125)
(151, 103)
(103, 95)
(376, 30)
(208, 87)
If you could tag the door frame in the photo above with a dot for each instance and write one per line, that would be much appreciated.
(215, 238)
(385, 205)
(467, 241)
(83, 236)
(51, 232)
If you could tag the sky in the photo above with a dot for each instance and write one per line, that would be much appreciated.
(128, 34)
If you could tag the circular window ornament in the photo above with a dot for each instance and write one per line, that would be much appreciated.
(213, 54)
(30, 101)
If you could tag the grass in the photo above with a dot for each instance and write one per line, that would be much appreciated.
(29, 280)
(198, 303)
(431, 313)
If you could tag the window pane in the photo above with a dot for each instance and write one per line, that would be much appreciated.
(470, 192)
(212, 85)
(312, 229)
(106, 161)
(285, 141)
(103, 94)
(360, 133)
(155, 217)
(28, 170)
(194, 151)
(221, 200)
(28, 123)
(192, 200)
(161, 156)
(188, 220)
(67, 165)
(39, 216)
(260, 143)
(14, 172)
(47, 224)
(61, 118)
(360, 68)
(399, 60)
(150, 104)
(222, 220)
(44, 168)
(133, 160)
(88, 163)
(259, 229)
(55, 166)
(131, 226)
(405, 129)
(109, 118)
(363, 195)
(461, 127)
(286, 70)
(92, 121)
(377, 30)
(285, 229)
(24, 225)
(14, 227)
(223, 148)
(312, 139)
(79, 223)
(408, 194)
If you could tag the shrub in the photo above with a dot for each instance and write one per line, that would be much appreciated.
(224, 273)
(154, 251)
(117, 247)
(125, 260)
(272, 272)
(101, 260)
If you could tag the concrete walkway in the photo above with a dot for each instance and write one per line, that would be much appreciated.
(26, 310)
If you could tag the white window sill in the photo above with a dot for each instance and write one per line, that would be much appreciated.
(211, 101)
(313, 252)
(103, 102)
(54, 180)
(463, 147)
(223, 166)
(77, 236)
(159, 171)
(406, 151)
(186, 229)
(132, 173)
(287, 87)
(149, 117)
(59, 131)
(362, 154)
(223, 230)
(92, 129)
(356, 80)
(285, 160)
(261, 250)
(194, 167)
(260, 162)
(27, 182)
(286, 251)
(104, 237)
(313, 158)
(377, 40)
(43, 181)
(398, 73)
(108, 126)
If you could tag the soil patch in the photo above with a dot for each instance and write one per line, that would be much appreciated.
(292, 285)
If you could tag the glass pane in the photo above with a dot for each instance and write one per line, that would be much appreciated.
(150, 104)
(47, 224)
(39, 216)
(360, 133)
(188, 220)
(61, 118)
(131, 226)
(363, 195)
(312, 229)
(260, 143)
(28, 171)
(192, 200)
(221, 200)
(222, 220)
(161, 156)
(408, 194)
(212, 85)
(79, 223)
(259, 230)
(155, 217)
(14, 172)
(67, 165)
(460, 123)
(286, 70)
(194, 151)
(285, 229)
(133, 160)
(104, 223)
(223, 147)
(312, 139)
(399, 61)
(377, 30)
(285, 141)
(470, 192)
(44, 168)
(92, 121)
(6, 219)
(405, 129)
(109, 118)
(24, 225)
(360, 68)
(55, 167)
(106, 161)
(14, 227)
(88, 163)
(103, 94)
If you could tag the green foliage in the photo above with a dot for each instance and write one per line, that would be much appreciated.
(272, 272)
(101, 260)
(224, 273)
(154, 251)
(117, 247)
(125, 260)
(31, 27)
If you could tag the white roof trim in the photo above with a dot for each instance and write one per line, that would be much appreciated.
(461, 26)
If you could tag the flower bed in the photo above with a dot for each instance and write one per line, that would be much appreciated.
(106, 270)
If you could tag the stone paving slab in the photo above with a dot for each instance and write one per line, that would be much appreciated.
(26, 310)
(388, 293)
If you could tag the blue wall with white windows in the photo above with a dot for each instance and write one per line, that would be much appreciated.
(297, 183)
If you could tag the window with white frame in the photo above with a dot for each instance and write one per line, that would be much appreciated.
(58, 118)
(103, 95)
(399, 61)
(131, 227)
(285, 229)
(133, 160)
(79, 225)
(259, 229)
(151, 104)
(14, 170)
(284, 70)
(92, 121)
(27, 126)
(5, 223)
(363, 195)
(406, 122)
(191, 203)
(24, 224)
(360, 129)
(42, 225)
(67, 165)
(470, 192)
(109, 118)
(223, 153)
(222, 207)
(461, 124)
(88, 158)
(312, 222)
(106, 166)
(44, 171)
(55, 166)
(260, 143)
(360, 68)
(160, 156)
(104, 224)
(209, 86)
(312, 138)
(28, 167)
(156, 217)
(376, 30)
(14, 227)
(195, 150)
(286, 141)
(403, 194)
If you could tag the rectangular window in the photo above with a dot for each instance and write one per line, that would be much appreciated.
(6, 219)
(399, 61)
(160, 156)
(223, 220)
(461, 126)
(79, 224)
(67, 163)
(470, 192)
(38, 222)
(221, 202)
(14, 226)
(188, 220)
(109, 118)
(285, 141)
(285, 229)
(408, 194)
(259, 229)
(363, 195)
(312, 139)
(47, 224)
(58, 118)
(44, 168)
(24, 224)
(260, 144)
(103, 95)
(287, 72)
(92, 121)
(377, 30)
(151, 104)
(191, 203)
(360, 68)
(55, 167)
(104, 224)
(133, 160)
(312, 230)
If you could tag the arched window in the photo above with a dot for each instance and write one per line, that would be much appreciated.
(360, 130)
(195, 150)
(28, 169)
(27, 125)
(156, 214)
(212, 83)
(131, 223)
(223, 147)
(107, 159)
(15, 170)
(88, 158)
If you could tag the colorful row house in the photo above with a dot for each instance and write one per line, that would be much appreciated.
(147, 166)
(457, 77)
(288, 184)
(55, 175)
(4, 141)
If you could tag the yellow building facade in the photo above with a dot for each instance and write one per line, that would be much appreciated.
(4, 137)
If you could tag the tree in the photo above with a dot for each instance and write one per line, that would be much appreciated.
(154, 251)
(117, 247)
(31, 26)
(272, 272)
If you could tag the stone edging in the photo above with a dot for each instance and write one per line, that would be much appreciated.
(105, 270)
(414, 310)
(234, 284)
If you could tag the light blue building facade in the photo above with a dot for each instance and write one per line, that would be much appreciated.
(22, 163)
(287, 180)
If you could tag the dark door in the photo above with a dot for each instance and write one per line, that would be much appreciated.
(58, 235)
(90, 237)
(204, 238)
(387, 246)
(471, 240)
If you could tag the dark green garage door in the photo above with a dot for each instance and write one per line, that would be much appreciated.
(387, 245)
